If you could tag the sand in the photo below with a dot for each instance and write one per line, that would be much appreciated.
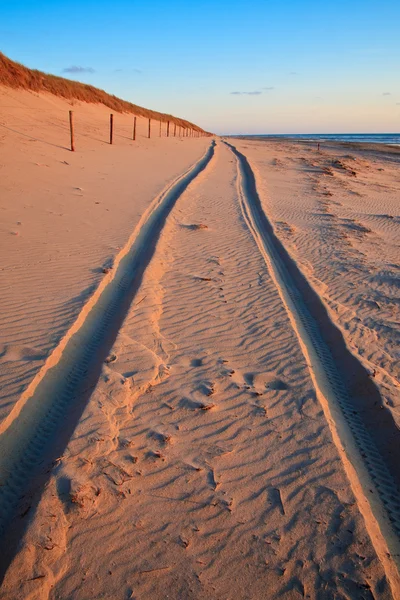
(338, 214)
(192, 438)
(65, 217)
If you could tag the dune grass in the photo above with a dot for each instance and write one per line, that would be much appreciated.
(17, 76)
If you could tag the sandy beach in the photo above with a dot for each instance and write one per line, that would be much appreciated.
(199, 363)
(68, 218)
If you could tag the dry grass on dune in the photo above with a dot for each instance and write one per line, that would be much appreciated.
(15, 75)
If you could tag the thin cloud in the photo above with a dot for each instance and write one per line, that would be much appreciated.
(386, 94)
(268, 88)
(138, 71)
(255, 93)
(75, 69)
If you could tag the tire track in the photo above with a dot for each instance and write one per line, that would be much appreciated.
(365, 433)
(39, 428)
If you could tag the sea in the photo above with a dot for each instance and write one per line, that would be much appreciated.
(392, 139)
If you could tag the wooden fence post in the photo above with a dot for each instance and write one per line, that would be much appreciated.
(160, 129)
(134, 129)
(111, 128)
(174, 129)
(149, 128)
(167, 128)
(71, 128)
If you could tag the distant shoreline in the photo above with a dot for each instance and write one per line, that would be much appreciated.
(367, 145)
(382, 138)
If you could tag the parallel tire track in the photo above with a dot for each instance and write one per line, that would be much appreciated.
(353, 399)
(42, 425)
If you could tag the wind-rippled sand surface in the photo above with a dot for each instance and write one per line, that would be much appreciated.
(338, 213)
(65, 217)
(207, 462)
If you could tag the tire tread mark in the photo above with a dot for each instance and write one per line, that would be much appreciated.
(39, 432)
(316, 332)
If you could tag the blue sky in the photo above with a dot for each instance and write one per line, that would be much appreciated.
(232, 67)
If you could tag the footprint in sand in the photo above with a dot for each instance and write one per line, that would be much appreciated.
(187, 361)
(207, 388)
(257, 382)
(189, 404)
(195, 226)
(14, 352)
(111, 358)
(262, 381)
(196, 362)
(160, 436)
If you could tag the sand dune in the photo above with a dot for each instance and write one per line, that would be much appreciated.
(207, 460)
